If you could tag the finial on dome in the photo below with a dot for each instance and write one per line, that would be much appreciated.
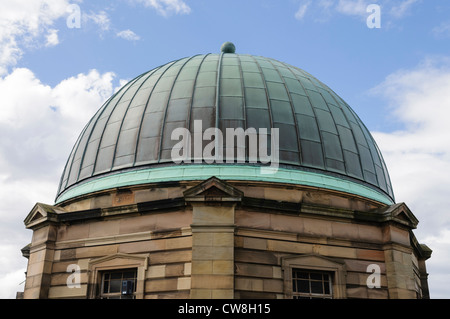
(228, 47)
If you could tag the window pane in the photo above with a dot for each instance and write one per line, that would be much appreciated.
(327, 287)
(302, 275)
(310, 284)
(116, 275)
(105, 286)
(316, 276)
(115, 286)
(129, 275)
(316, 287)
(303, 286)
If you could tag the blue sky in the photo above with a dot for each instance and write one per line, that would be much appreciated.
(53, 78)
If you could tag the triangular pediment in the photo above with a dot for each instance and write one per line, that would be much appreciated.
(399, 213)
(42, 213)
(36, 216)
(213, 189)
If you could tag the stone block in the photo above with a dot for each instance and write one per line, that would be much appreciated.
(358, 292)
(148, 195)
(250, 284)
(61, 279)
(201, 293)
(286, 223)
(378, 293)
(396, 235)
(399, 293)
(283, 194)
(261, 257)
(72, 232)
(222, 293)
(289, 247)
(317, 227)
(121, 198)
(84, 204)
(202, 267)
(252, 219)
(156, 271)
(42, 235)
(167, 257)
(212, 253)
(369, 254)
(187, 269)
(277, 272)
(370, 233)
(66, 292)
(35, 268)
(255, 243)
(184, 283)
(213, 215)
(273, 285)
(168, 284)
(254, 270)
(179, 243)
(104, 228)
(203, 239)
(361, 265)
(101, 201)
(223, 239)
(223, 267)
(212, 281)
(334, 251)
(97, 251)
(142, 246)
(174, 270)
(346, 231)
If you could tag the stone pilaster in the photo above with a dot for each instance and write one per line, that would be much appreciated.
(40, 263)
(213, 226)
(399, 265)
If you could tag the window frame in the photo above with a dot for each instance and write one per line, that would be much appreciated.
(107, 295)
(315, 263)
(119, 262)
(310, 294)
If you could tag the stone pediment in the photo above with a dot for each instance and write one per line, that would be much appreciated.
(399, 213)
(213, 190)
(42, 213)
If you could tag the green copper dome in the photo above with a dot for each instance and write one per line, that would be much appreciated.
(322, 142)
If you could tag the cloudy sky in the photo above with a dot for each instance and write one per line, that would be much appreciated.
(61, 59)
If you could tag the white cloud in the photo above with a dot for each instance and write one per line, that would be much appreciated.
(439, 275)
(24, 22)
(38, 126)
(52, 38)
(128, 35)
(324, 9)
(101, 19)
(403, 8)
(302, 10)
(418, 154)
(442, 30)
(353, 7)
(167, 7)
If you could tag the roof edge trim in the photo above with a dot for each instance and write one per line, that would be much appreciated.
(224, 172)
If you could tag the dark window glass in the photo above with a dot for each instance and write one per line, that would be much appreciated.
(113, 283)
(311, 284)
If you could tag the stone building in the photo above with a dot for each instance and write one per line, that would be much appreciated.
(130, 222)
